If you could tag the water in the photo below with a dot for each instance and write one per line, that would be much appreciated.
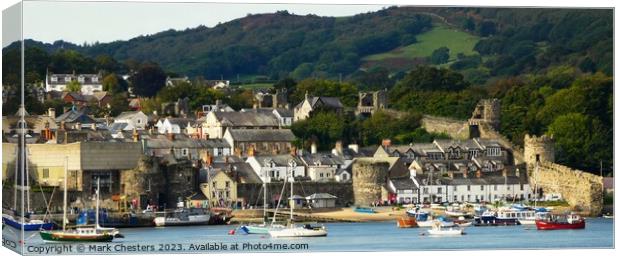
(375, 236)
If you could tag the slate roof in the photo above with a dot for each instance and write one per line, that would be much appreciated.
(278, 160)
(330, 102)
(127, 114)
(182, 141)
(261, 135)
(238, 171)
(247, 119)
(402, 183)
(75, 116)
(323, 158)
(321, 196)
(283, 112)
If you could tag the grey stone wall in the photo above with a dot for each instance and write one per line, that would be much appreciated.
(369, 176)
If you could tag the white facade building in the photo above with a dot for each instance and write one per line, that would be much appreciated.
(274, 168)
(90, 83)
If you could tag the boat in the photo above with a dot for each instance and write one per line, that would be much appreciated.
(444, 222)
(438, 230)
(406, 222)
(490, 218)
(555, 222)
(524, 217)
(293, 230)
(462, 222)
(453, 211)
(183, 217)
(15, 220)
(93, 233)
(265, 226)
(364, 210)
(608, 216)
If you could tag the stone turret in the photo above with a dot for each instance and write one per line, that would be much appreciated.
(487, 111)
(538, 149)
(369, 177)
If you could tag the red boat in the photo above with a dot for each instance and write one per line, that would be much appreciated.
(554, 222)
(406, 222)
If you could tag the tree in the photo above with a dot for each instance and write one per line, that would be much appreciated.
(486, 28)
(440, 55)
(110, 83)
(431, 79)
(73, 86)
(148, 80)
(323, 127)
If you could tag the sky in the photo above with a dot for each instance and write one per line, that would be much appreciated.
(80, 22)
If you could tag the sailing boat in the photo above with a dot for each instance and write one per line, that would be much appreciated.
(81, 233)
(23, 222)
(293, 230)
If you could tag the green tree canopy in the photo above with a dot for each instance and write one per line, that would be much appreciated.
(148, 80)
(440, 55)
(73, 86)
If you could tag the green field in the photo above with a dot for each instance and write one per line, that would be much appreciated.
(441, 35)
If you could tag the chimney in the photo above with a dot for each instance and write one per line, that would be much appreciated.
(505, 173)
(93, 126)
(293, 151)
(170, 135)
(354, 147)
(226, 159)
(251, 151)
(313, 148)
(478, 174)
(451, 174)
(209, 160)
(62, 126)
(51, 112)
(386, 143)
(465, 173)
(338, 147)
(78, 126)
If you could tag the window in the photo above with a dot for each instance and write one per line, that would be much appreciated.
(439, 190)
(214, 184)
(95, 79)
(54, 79)
(481, 198)
(495, 187)
(468, 188)
(481, 187)
(46, 173)
(81, 79)
(139, 121)
(328, 177)
(521, 186)
(321, 175)
(425, 190)
(228, 184)
(468, 198)
(455, 188)
(456, 198)
(184, 152)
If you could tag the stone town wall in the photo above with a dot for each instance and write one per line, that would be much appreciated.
(581, 190)
(251, 193)
(457, 129)
(488, 132)
(369, 177)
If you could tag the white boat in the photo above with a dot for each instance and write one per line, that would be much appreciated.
(184, 217)
(437, 230)
(464, 224)
(299, 231)
(525, 217)
(293, 230)
(429, 223)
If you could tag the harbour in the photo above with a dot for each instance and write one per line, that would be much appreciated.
(361, 236)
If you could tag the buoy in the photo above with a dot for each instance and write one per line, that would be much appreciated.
(231, 232)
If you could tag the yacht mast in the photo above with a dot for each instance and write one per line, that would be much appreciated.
(64, 201)
(97, 207)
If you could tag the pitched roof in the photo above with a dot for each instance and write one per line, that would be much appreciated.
(283, 112)
(75, 116)
(182, 141)
(321, 196)
(127, 114)
(403, 183)
(323, 158)
(247, 119)
(261, 135)
(278, 160)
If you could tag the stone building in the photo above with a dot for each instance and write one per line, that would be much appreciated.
(215, 124)
(370, 102)
(270, 99)
(303, 110)
(487, 111)
(538, 149)
(248, 142)
(369, 181)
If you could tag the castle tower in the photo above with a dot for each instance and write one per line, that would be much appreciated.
(538, 149)
(491, 112)
(369, 177)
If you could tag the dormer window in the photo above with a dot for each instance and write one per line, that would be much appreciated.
(494, 151)
(54, 79)
(67, 79)
(95, 79)
(81, 79)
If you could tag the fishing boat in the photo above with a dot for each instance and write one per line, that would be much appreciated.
(490, 218)
(93, 233)
(183, 217)
(438, 230)
(406, 222)
(293, 230)
(555, 222)
(524, 217)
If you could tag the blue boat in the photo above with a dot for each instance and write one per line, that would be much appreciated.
(491, 219)
(364, 210)
(31, 225)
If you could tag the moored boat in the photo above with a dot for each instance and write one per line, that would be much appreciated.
(28, 224)
(299, 231)
(406, 222)
(184, 217)
(438, 230)
(555, 222)
(490, 218)
(364, 210)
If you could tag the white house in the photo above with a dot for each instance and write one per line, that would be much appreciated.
(173, 125)
(134, 119)
(309, 104)
(273, 168)
(322, 166)
(90, 83)
(285, 116)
